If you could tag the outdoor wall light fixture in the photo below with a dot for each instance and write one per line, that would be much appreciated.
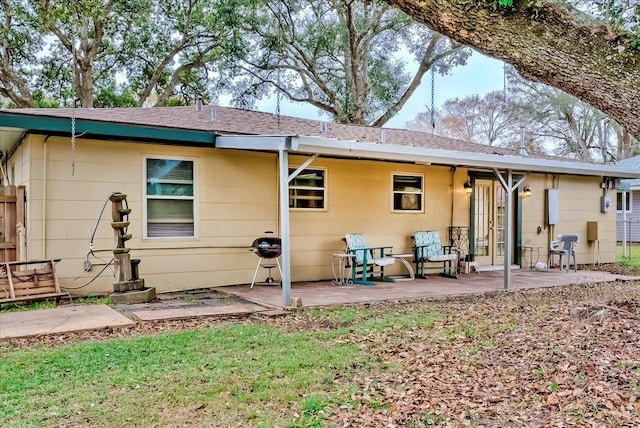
(526, 192)
(467, 187)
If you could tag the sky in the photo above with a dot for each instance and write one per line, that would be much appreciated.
(480, 75)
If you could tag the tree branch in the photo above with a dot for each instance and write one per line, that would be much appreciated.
(549, 42)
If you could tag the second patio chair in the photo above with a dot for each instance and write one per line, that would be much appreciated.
(428, 249)
(367, 263)
(564, 247)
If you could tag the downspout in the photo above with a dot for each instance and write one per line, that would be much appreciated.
(453, 200)
(44, 199)
(283, 169)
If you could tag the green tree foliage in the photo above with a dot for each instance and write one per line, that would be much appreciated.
(104, 52)
(84, 50)
(19, 44)
(180, 48)
(111, 96)
(348, 58)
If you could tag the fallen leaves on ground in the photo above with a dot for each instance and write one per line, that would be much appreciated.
(551, 357)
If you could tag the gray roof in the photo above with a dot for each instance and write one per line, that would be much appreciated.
(634, 163)
(232, 121)
(235, 128)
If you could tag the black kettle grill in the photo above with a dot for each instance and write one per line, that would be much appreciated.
(268, 249)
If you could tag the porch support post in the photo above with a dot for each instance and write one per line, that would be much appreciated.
(509, 187)
(285, 246)
(507, 233)
(624, 226)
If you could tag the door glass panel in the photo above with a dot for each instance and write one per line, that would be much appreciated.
(501, 200)
(482, 220)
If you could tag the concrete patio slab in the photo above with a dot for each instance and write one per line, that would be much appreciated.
(264, 299)
(198, 311)
(59, 320)
(326, 294)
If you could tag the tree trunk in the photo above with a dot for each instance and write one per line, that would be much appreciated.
(551, 43)
(86, 85)
(15, 88)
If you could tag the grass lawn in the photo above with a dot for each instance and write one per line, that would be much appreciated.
(559, 356)
(633, 255)
(244, 374)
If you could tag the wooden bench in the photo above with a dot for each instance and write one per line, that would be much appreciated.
(21, 281)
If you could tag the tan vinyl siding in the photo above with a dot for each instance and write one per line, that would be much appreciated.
(579, 204)
(237, 201)
(237, 195)
(360, 200)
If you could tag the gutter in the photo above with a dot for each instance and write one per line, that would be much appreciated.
(419, 155)
(456, 158)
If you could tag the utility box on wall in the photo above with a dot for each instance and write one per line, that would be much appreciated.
(605, 204)
(553, 206)
(592, 231)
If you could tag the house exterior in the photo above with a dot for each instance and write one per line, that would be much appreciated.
(203, 183)
(628, 198)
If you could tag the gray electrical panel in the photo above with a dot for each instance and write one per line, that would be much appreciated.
(605, 204)
(553, 206)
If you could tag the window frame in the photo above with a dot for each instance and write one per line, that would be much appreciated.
(395, 192)
(146, 198)
(324, 189)
(629, 204)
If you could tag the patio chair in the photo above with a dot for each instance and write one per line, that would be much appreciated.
(365, 264)
(428, 249)
(564, 248)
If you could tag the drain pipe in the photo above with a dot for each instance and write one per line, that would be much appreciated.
(44, 199)
(453, 198)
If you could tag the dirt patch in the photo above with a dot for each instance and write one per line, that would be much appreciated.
(183, 299)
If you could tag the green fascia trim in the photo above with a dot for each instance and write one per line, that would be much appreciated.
(92, 128)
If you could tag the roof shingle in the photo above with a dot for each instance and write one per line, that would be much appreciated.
(233, 121)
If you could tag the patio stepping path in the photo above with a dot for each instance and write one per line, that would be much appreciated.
(59, 320)
(195, 311)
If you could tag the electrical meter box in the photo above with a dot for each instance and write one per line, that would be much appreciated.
(605, 204)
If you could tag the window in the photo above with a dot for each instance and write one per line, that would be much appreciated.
(169, 198)
(407, 193)
(619, 201)
(308, 190)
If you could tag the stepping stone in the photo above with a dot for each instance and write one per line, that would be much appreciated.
(59, 320)
(196, 311)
